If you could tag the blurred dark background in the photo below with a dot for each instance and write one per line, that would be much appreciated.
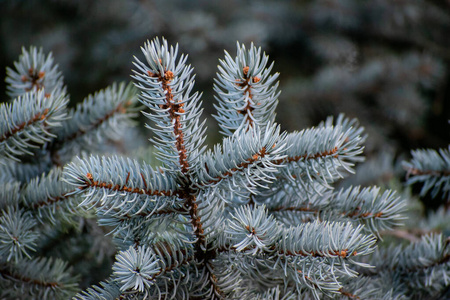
(385, 62)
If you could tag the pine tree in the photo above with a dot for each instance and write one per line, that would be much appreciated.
(255, 217)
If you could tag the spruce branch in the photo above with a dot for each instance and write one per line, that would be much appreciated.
(26, 170)
(16, 235)
(423, 266)
(9, 194)
(322, 153)
(51, 199)
(116, 177)
(211, 187)
(246, 91)
(34, 72)
(136, 269)
(105, 290)
(28, 122)
(365, 206)
(42, 278)
(377, 211)
(254, 152)
(38, 135)
(166, 85)
(102, 116)
(302, 248)
(255, 216)
(432, 169)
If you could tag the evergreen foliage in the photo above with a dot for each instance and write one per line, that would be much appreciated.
(39, 134)
(432, 169)
(255, 217)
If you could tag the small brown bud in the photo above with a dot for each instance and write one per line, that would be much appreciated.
(246, 69)
(169, 75)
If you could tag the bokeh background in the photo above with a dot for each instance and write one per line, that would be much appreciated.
(384, 62)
